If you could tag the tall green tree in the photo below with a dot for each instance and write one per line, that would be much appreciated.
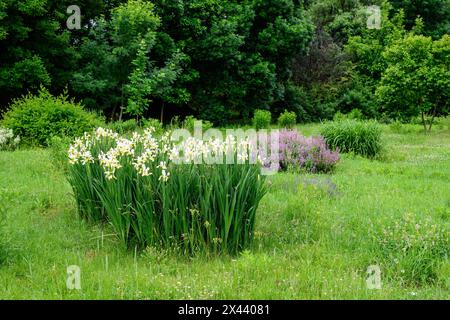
(239, 51)
(435, 15)
(36, 48)
(108, 53)
(33, 48)
(146, 82)
(417, 78)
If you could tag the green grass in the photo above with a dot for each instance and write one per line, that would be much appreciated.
(353, 136)
(317, 234)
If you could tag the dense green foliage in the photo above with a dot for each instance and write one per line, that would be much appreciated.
(217, 59)
(417, 78)
(363, 138)
(435, 13)
(189, 123)
(262, 119)
(221, 60)
(37, 48)
(346, 60)
(38, 118)
(287, 119)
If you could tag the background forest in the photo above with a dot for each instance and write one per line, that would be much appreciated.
(221, 60)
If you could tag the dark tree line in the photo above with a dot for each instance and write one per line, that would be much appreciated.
(219, 60)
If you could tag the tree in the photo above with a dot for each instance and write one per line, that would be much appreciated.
(327, 73)
(239, 52)
(32, 48)
(146, 81)
(417, 78)
(366, 49)
(36, 48)
(108, 55)
(435, 14)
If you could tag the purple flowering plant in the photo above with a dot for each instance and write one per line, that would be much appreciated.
(310, 154)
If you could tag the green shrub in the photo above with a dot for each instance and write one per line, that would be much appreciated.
(122, 127)
(8, 141)
(355, 114)
(299, 100)
(155, 124)
(58, 146)
(358, 96)
(38, 118)
(359, 137)
(442, 123)
(140, 188)
(262, 119)
(404, 128)
(287, 119)
(189, 123)
(131, 125)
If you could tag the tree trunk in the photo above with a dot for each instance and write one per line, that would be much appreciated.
(113, 113)
(423, 121)
(432, 118)
(121, 106)
(162, 112)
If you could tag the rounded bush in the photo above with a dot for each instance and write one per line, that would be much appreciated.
(155, 124)
(287, 119)
(38, 118)
(189, 124)
(359, 137)
(121, 126)
(311, 154)
(262, 119)
(355, 114)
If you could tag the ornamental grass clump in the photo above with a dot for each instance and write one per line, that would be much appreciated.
(155, 192)
(353, 136)
(310, 154)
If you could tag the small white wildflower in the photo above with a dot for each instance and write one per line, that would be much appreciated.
(74, 155)
(109, 175)
(125, 146)
(110, 163)
(16, 140)
(105, 133)
(144, 171)
(86, 157)
(162, 165)
(164, 176)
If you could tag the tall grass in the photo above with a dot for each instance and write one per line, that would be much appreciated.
(359, 137)
(412, 249)
(151, 197)
(3, 211)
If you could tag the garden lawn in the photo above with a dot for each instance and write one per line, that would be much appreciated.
(316, 234)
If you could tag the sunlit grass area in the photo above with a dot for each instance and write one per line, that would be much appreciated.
(316, 234)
